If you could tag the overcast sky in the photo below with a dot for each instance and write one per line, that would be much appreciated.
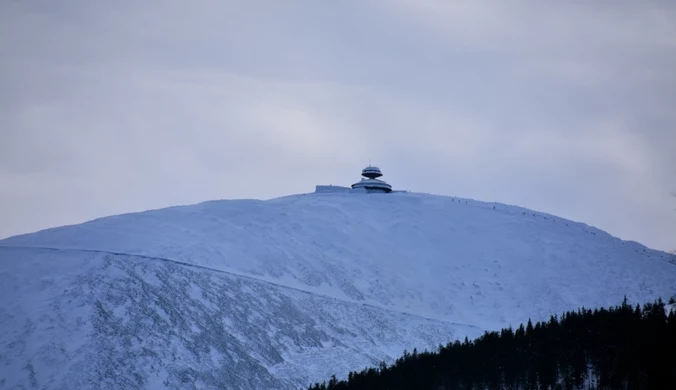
(565, 107)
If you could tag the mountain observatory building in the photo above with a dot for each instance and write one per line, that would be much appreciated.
(370, 183)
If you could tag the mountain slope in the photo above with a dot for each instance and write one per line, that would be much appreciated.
(279, 293)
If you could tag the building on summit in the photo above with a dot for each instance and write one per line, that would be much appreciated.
(370, 183)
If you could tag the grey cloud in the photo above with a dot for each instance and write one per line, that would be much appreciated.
(113, 107)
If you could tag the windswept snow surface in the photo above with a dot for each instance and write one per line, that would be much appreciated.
(277, 294)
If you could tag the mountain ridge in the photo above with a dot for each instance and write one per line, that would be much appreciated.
(230, 274)
(295, 288)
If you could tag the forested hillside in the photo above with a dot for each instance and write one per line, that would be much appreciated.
(623, 347)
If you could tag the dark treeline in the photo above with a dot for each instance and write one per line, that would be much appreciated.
(623, 347)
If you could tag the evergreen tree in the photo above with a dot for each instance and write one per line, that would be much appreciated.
(616, 348)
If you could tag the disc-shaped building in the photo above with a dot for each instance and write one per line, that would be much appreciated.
(370, 181)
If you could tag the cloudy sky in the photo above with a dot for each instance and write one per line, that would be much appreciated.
(117, 106)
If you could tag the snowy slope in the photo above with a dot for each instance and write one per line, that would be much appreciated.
(278, 293)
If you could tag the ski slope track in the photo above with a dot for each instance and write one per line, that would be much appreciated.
(277, 294)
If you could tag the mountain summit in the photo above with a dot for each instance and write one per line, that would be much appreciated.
(278, 294)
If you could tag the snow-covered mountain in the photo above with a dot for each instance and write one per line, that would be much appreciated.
(276, 294)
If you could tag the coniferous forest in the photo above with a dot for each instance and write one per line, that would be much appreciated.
(622, 347)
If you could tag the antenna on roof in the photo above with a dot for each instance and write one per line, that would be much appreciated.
(369, 161)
